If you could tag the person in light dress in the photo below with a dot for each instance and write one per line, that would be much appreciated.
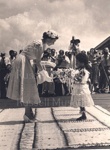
(22, 84)
(80, 92)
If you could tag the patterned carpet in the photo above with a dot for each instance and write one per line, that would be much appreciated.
(95, 131)
(58, 129)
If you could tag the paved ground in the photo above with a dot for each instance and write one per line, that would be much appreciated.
(58, 128)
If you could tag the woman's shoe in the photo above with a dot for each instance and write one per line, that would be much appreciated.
(27, 120)
(36, 120)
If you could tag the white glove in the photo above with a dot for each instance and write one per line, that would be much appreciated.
(43, 76)
(47, 78)
(40, 79)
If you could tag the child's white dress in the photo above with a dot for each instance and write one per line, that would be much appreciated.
(80, 93)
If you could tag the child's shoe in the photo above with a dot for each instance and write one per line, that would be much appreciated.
(83, 117)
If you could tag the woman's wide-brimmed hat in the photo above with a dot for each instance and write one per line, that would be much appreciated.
(50, 34)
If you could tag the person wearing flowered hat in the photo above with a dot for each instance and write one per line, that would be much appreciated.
(22, 84)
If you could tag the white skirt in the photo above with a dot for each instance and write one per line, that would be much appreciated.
(81, 96)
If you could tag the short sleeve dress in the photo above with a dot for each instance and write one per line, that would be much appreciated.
(81, 95)
(22, 84)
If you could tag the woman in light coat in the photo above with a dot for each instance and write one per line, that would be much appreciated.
(22, 84)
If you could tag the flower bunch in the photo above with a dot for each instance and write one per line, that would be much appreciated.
(62, 74)
(78, 77)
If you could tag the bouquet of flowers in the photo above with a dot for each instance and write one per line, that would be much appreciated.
(63, 74)
(78, 76)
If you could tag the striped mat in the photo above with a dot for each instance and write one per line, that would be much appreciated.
(58, 129)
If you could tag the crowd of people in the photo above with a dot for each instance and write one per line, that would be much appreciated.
(41, 71)
(99, 66)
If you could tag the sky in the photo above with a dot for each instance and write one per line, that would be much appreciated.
(22, 21)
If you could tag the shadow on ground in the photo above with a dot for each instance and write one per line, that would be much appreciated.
(11, 123)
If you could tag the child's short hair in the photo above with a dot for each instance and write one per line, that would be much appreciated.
(82, 57)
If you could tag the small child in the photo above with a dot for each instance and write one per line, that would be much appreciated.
(80, 93)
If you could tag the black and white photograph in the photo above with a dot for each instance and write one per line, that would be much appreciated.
(54, 74)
